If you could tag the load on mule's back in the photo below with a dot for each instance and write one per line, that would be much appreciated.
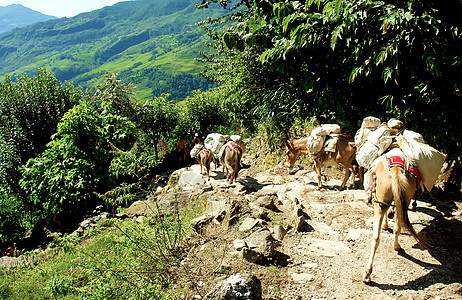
(327, 146)
(398, 162)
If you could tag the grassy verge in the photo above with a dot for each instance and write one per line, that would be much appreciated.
(117, 259)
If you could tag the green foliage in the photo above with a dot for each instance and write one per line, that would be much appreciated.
(114, 260)
(30, 109)
(75, 165)
(204, 112)
(343, 59)
(151, 43)
(14, 218)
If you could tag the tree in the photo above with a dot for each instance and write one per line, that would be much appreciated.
(346, 59)
(64, 179)
(30, 109)
(157, 118)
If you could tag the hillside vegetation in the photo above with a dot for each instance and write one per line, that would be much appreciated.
(282, 68)
(152, 44)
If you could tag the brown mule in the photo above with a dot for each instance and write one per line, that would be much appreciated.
(231, 160)
(205, 158)
(393, 184)
(344, 155)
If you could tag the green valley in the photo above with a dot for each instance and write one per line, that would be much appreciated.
(152, 44)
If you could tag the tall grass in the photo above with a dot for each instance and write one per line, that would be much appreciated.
(117, 259)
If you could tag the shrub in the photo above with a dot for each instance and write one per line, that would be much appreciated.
(14, 219)
(30, 109)
(75, 165)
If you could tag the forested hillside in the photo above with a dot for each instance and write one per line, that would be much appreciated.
(152, 44)
(16, 16)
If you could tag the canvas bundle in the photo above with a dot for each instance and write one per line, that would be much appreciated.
(317, 138)
(326, 129)
(315, 143)
(195, 150)
(428, 159)
(368, 125)
(375, 145)
(214, 142)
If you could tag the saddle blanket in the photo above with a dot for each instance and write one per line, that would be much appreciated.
(407, 165)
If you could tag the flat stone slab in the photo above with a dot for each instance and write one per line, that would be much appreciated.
(326, 247)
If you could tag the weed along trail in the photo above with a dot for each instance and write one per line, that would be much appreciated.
(304, 243)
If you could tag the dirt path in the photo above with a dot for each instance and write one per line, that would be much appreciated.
(326, 261)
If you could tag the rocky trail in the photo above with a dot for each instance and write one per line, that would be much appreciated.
(298, 242)
(325, 238)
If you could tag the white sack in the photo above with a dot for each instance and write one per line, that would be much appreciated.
(370, 122)
(428, 159)
(381, 138)
(326, 129)
(315, 143)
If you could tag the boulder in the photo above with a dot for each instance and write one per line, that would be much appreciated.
(237, 287)
(261, 242)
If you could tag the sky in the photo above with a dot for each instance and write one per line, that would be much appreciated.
(61, 8)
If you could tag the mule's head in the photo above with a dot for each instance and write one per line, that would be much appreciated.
(291, 154)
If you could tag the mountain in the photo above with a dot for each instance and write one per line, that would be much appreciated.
(15, 16)
(150, 43)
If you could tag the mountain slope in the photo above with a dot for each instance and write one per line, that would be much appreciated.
(150, 43)
(16, 16)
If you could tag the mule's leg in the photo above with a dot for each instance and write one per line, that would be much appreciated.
(361, 176)
(345, 178)
(207, 169)
(379, 213)
(318, 166)
(396, 232)
(202, 164)
(385, 220)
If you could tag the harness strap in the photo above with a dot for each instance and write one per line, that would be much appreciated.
(381, 202)
(204, 150)
(232, 145)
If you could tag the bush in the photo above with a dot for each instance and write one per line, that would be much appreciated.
(30, 109)
(14, 221)
(65, 177)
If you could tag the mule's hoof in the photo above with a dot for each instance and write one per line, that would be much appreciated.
(367, 277)
(397, 248)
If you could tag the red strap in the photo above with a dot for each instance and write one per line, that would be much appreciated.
(204, 150)
(232, 145)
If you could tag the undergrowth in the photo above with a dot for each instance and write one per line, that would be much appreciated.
(117, 259)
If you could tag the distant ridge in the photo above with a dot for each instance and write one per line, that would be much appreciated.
(17, 16)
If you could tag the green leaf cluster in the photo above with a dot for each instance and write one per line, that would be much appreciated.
(340, 60)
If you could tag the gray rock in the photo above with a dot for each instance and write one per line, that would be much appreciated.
(279, 232)
(267, 201)
(251, 255)
(262, 242)
(189, 179)
(259, 213)
(239, 244)
(248, 224)
(201, 221)
(237, 287)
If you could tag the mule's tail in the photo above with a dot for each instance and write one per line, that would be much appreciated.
(399, 187)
